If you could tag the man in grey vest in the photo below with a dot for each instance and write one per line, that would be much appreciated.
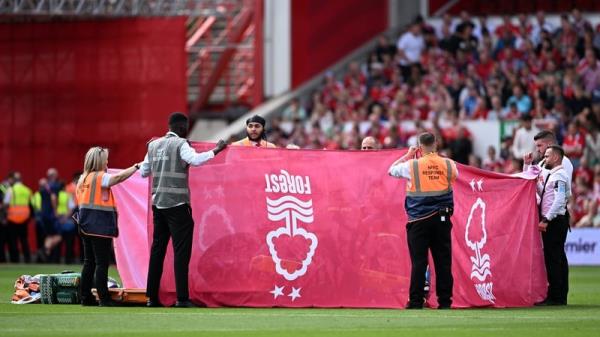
(168, 160)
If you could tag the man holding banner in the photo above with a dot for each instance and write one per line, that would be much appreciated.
(554, 224)
(168, 161)
(255, 129)
(429, 204)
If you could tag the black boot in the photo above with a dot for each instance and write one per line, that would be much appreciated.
(109, 303)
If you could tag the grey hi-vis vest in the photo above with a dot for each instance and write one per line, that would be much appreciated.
(169, 172)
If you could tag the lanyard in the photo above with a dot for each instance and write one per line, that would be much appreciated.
(542, 196)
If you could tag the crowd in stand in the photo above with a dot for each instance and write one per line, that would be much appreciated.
(49, 207)
(525, 69)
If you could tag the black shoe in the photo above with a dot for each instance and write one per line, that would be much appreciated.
(153, 304)
(89, 303)
(413, 306)
(185, 304)
(549, 302)
(444, 307)
(108, 303)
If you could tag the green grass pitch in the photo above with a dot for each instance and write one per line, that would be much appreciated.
(580, 318)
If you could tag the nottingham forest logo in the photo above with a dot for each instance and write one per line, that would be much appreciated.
(476, 238)
(289, 204)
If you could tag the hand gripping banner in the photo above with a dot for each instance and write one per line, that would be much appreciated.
(312, 228)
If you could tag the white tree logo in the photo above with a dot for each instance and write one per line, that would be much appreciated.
(480, 270)
(291, 210)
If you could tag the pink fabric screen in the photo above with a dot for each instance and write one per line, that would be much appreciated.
(302, 228)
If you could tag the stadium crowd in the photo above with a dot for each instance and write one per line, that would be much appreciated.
(435, 77)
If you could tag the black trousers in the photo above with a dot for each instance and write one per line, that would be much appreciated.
(423, 235)
(96, 258)
(177, 223)
(17, 234)
(3, 241)
(555, 258)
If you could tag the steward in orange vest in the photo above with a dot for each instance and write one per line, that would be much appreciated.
(429, 204)
(97, 209)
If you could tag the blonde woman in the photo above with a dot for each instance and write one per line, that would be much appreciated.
(97, 222)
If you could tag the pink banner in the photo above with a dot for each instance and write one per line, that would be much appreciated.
(312, 228)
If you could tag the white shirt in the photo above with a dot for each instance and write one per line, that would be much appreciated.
(543, 172)
(536, 32)
(554, 198)
(523, 142)
(106, 180)
(187, 153)
(412, 45)
(7, 197)
(400, 170)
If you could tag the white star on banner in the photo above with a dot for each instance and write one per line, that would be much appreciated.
(278, 291)
(207, 193)
(219, 192)
(480, 184)
(472, 183)
(295, 293)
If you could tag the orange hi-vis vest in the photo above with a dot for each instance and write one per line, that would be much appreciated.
(97, 208)
(431, 175)
(247, 142)
(430, 186)
(18, 209)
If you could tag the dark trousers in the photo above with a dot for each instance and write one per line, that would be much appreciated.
(3, 241)
(17, 234)
(69, 243)
(430, 233)
(555, 258)
(177, 223)
(96, 258)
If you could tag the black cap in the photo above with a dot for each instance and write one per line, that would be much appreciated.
(256, 119)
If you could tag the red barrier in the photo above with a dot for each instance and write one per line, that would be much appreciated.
(325, 31)
(66, 86)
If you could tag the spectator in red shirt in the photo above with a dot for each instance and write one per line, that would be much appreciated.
(491, 162)
(589, 70)
(485, 66)
(573, 144)
(580, 24)
(354, 73)
(581, 194)
(506, 28)
(566, 35)
(584, 172)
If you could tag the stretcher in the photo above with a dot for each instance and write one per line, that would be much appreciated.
(127, 296)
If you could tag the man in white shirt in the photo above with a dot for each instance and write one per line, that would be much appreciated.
(168, 160)
(410, 46)
(554, 224)
(543, 140)
(542, 24)
(523, 141)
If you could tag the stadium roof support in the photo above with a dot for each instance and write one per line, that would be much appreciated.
(114, 8)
